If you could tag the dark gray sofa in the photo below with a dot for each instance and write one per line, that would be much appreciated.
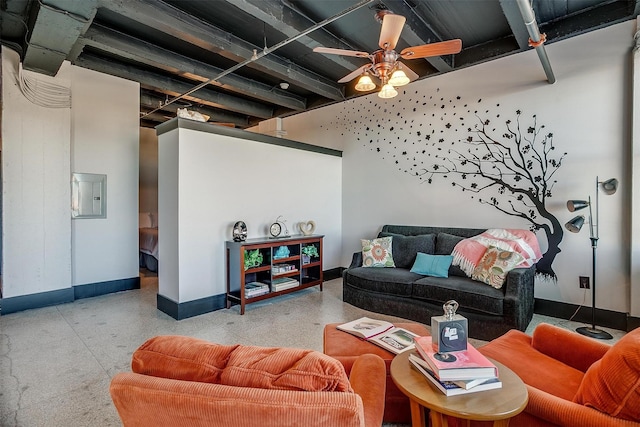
(399, 292)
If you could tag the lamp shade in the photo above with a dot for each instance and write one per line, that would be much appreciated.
(387, 91)
(399, 78)
(575, 224)
(609, 186)
(365, 84)
(576, 205)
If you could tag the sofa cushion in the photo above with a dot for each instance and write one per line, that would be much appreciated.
(494, 266)
(471, 295)
(514, 350)
(444, 246)
(612, 384)
(192, 359)
(377, 252)
(392, 281)
(432, 265)
(405, 248)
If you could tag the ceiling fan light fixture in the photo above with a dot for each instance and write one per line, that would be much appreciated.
(399, 78)
(387, 91)
(365, 84)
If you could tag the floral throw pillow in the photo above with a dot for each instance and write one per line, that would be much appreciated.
(377, 252)
(494, 266)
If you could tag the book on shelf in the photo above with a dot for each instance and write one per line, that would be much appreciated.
(455, 365)
(381, 333)
(254, 289)
(281, 286)
(450, 388)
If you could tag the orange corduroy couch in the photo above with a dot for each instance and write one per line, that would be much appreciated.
(180, 380)
(573, 380)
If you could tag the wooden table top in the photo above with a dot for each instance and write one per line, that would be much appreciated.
(487, 405)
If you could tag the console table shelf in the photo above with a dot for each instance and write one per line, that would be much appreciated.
(271, 268)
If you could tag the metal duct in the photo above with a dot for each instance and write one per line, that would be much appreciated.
(536, 39)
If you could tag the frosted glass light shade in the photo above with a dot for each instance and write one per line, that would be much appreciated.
(387, 91)
(365, 84)
(398, 78)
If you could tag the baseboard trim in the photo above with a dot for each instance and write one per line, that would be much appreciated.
(62, 296)
(334, 273)
(633, 323)
(561, 310)
(103, 288)
(193, 308)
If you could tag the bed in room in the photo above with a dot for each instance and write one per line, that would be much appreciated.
(148, 241)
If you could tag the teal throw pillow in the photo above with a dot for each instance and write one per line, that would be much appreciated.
(432, 265)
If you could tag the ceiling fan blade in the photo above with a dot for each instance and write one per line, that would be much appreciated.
(390, 31)
(345, 52)
(352, 75)
(432, 49)
(408, 71)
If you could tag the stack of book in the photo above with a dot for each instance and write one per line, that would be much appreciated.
(254, 289)
(456, 372)
(283, 283)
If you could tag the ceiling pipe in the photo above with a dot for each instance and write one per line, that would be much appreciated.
(536, 40)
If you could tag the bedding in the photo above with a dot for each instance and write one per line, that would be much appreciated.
(148, 243)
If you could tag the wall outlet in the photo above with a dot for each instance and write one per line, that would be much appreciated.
(584, 282)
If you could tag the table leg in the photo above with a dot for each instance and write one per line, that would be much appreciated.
(501, 423)
(417, 414)
(438, 419)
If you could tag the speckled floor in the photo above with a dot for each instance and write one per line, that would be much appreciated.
(56, 362)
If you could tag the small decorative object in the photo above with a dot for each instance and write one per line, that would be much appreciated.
(239, 231)
(275, 229)
(449, 331)
(307, 228)
(282, 252)
(252, 259)
(309, 252)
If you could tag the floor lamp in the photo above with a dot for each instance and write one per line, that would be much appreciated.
(608, 187)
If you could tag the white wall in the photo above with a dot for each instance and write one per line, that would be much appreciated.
(105, 128)
(223, 179)
(36, 191)
(42, 251)
(585, 110)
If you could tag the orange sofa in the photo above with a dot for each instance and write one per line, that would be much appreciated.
(186, 381)
(573, 380)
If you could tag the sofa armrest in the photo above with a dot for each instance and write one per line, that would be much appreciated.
(568, 347)
(519, 296)
(368, 380)
(557, 411)
(356, 260)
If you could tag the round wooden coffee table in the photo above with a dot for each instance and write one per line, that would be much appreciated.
(497, 405)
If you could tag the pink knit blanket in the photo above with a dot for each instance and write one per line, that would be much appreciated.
(468, 252)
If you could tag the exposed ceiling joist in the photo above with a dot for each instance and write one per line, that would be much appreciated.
(514, 18)
(150, 102)
(136, 50)
(170, 20)
(290, 22)
(174, 87)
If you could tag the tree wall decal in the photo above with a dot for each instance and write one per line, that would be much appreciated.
(516, 169)
(508, 165)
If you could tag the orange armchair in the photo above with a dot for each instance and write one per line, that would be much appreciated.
(186, 381)
(573, 380)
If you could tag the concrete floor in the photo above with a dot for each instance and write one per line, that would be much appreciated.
(56, 362)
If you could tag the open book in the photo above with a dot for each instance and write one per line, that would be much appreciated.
(381, 333)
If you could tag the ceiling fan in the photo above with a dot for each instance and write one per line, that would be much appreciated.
(385, 64)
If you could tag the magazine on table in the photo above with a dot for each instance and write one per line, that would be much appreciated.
(455, 365)
(450, 388)
(381, 333)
